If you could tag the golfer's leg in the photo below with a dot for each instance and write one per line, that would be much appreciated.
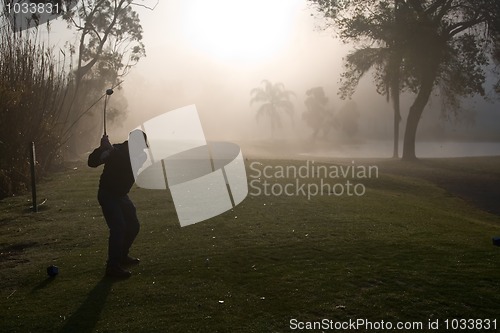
(132, 225)
(115, 220)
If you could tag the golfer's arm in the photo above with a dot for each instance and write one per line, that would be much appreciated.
(96, 158)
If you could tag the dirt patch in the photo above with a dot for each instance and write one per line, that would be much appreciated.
(11, 255)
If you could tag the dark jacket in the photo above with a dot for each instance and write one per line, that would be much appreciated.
(117, 177)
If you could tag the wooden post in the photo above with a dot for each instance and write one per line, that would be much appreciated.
(33, 180)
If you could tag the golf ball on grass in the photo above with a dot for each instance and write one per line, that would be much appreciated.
(52, 270)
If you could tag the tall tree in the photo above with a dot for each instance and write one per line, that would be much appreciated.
(318, 115)
(496, 56)
(274, 98)
(108, 44)
(110, 36)
(445, 44)
(386, 59)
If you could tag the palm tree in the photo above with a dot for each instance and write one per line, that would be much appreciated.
(273, 98)
(388, 62)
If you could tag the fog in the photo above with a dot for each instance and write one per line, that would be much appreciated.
(183, 67)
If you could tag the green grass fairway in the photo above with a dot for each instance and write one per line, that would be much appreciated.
(417, 246)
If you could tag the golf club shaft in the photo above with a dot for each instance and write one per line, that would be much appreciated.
(105, 104)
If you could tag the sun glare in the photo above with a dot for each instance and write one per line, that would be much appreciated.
(239, 30)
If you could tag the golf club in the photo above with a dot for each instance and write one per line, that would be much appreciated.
(109, 92)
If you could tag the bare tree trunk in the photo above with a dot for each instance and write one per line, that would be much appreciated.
(397, 120)
(395, 65)
(394, 91)
(427, 84)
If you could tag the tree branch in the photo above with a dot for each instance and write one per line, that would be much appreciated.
(84, 69)
(147, 7)
(459, 27)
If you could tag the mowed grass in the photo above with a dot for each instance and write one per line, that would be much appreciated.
(407, 250)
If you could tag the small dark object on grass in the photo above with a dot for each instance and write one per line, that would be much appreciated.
(52, 270)
(496, 241)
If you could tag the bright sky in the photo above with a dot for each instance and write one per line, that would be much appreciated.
(239, 31)
(212, 53)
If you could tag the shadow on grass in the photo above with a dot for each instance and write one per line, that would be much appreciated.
(86, 316)
(43, 284)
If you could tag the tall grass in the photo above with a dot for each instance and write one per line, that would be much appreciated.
(33, 84)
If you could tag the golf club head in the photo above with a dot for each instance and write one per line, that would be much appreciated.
(496, 241)
(109, 92)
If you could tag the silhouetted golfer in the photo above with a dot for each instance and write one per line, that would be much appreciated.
(116, 181)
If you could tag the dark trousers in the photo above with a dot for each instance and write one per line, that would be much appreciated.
(121, 217)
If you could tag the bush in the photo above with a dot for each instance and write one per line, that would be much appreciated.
(33, 84)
